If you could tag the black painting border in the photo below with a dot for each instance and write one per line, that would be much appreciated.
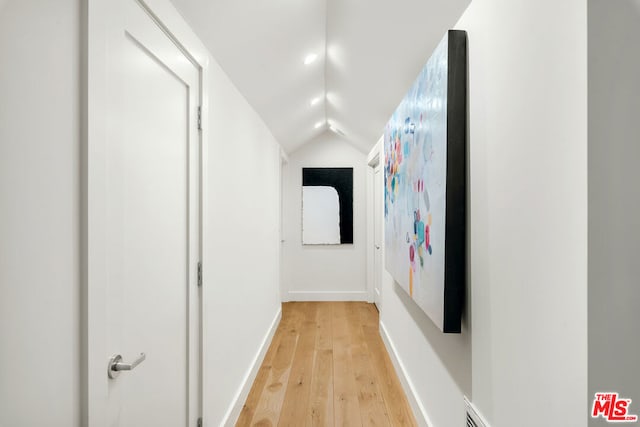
(456, 206)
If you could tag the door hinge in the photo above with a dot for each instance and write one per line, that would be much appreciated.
(199, 118)
(199, 422)
(199, 274)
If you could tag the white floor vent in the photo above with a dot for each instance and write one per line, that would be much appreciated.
(473, 419)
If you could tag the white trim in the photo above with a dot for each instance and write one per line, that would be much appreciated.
(328, 296)
(284, 158)
(233, 413)
(418, 409)
(376, 152)
(283, 174)
(202, 54)
(373, 161)
(370, 253)
(168, 15)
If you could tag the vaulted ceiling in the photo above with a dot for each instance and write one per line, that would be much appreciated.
(368, 54)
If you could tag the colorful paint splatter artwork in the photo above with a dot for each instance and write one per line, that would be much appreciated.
(415, 150)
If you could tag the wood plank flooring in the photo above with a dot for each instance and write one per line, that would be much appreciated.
(327, 366)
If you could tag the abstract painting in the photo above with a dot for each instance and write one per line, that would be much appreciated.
(327, 206)
(425, 185)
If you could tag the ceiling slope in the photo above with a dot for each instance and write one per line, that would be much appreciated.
(375, 51)
(369, 53)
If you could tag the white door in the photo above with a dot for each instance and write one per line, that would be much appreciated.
(378, 212)
(143, 221)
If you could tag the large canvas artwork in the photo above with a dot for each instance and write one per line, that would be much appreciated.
(425, 177)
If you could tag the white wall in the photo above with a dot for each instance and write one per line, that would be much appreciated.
(523, 352)
(324, 272)
(241, 261)
(39, 213)
(614, 199)
(436, 366)
(40, 121)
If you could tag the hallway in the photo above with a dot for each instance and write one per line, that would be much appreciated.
(153, 156)
(336, 369)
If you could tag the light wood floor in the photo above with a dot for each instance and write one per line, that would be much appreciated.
(327, 366)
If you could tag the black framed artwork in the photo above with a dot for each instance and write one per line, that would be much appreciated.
(327, 206)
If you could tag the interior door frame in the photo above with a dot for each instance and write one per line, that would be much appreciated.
(96, 21)
(284, 175)
(378, 212)
(374, 159)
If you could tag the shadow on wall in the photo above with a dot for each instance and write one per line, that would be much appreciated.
(614, 201)
(444, 345)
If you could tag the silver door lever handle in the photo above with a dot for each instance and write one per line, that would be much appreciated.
(119, 366)
(116, 365)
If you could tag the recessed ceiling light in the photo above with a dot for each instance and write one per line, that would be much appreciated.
(310, 58)
(319, 124)
(314, 101)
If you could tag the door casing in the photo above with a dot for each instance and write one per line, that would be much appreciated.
(374, 160)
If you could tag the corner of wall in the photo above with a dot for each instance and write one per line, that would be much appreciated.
(306, 276)
(407, 384)
(241, 395)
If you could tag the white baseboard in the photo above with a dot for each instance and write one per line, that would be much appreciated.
(234, 411)
(418, 409)
(329, 296)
